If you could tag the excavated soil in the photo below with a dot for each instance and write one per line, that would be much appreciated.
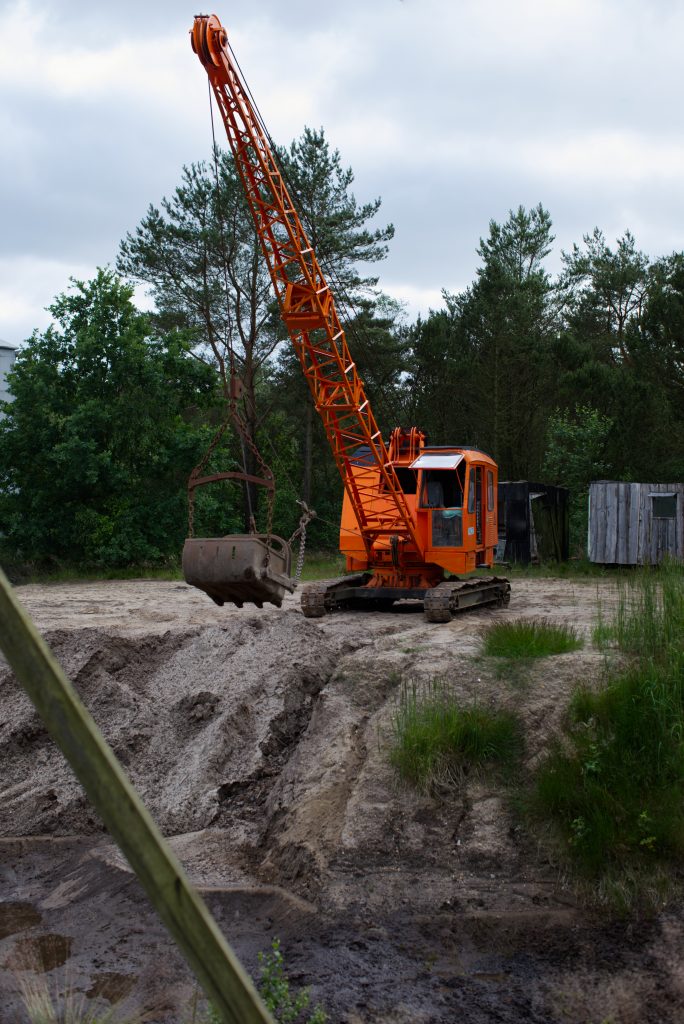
(259, 742)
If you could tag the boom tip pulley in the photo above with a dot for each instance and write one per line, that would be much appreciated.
(208, 38)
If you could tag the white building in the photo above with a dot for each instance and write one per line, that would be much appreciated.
(7, 356)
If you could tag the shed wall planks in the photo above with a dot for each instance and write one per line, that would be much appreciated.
(623, 529)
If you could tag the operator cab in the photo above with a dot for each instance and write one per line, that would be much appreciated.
(457, 506)
(450, 494)
(442, 490)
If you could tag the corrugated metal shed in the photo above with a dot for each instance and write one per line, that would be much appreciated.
(635, 524)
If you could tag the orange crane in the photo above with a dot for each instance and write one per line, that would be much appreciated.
(411, 513)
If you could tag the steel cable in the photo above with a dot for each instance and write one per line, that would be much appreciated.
(344, 303)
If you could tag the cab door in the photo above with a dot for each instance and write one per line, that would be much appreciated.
(479, 506)
(475, 493)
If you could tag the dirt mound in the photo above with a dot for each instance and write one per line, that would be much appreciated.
(192, 715)
(259, 741)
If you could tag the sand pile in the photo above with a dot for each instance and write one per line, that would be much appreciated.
(191, 715)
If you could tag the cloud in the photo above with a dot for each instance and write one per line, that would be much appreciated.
(627, 158)
(68, 70)
(452, 112)
(26, 285)
(416, 301)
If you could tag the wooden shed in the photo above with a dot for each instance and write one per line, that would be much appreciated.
(635, 524)
(533, 522)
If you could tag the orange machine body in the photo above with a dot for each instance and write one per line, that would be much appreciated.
(451, 494)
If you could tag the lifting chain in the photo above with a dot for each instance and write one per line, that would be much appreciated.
(307, 515)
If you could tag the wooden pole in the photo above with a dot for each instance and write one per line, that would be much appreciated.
(180, 907)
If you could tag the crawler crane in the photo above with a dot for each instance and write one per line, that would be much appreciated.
(412, 514)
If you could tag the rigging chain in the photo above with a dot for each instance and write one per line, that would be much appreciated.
(307, 515)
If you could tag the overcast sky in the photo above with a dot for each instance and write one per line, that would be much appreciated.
(452, 112)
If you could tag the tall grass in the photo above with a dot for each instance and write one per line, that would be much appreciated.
(320, 565)
(615, 783)
(649, 617)
(69, 1006)
(530, 638)
(436, 741)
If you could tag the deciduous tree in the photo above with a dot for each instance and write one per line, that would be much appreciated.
(96, 446)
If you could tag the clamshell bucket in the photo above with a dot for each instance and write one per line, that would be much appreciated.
(240, 568)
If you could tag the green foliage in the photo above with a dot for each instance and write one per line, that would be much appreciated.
(286, 1006)
(96, 447)
(199, 255)
(334, 221)
(571, 380)
(649, 614)
(490, 354)
(574, 456)
(619, 795)
(436, 740)
(576, 568)
(296, 442)
(510, 313)
(72, 574)
(179, 251)
(443, 362)
(619, 352)
(530, 638)
(615, 785)
(608, 285)
(274, 988)
(201, 237)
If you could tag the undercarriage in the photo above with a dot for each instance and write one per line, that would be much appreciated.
(439, 602)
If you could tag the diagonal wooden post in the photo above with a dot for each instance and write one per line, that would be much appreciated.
(180, 907)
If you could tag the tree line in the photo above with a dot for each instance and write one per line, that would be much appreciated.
(562, 379)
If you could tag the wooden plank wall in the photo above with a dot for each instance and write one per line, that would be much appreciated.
(622, 529)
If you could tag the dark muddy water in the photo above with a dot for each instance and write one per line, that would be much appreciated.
(89, 924)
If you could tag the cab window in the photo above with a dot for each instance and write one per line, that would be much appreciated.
(442, 488)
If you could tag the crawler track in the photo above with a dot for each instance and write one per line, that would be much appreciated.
(456, 595)
(439, 604)
(320, 597)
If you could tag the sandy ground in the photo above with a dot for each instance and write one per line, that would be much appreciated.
(259, 741)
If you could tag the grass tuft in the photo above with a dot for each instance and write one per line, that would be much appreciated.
(69, 1006)
(530, 638)
(436, 740)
